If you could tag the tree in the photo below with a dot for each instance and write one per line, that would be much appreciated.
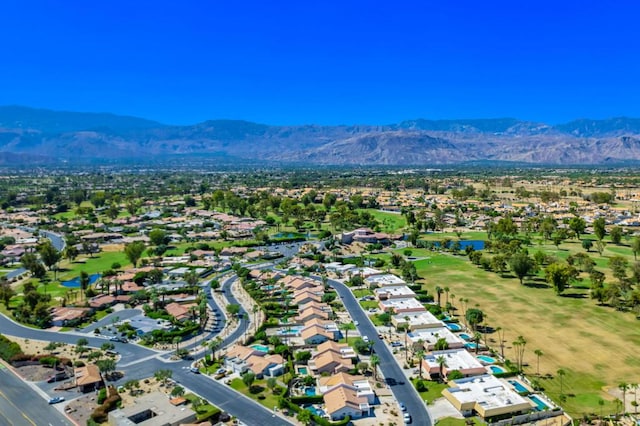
(49, 255)
(558, 275)
(106, 366)
(587, 244)
(304, 416)
(272, 382)
(439, 292)
(474, 317)
(107, 346)
(635, 247)
(163, 375)
(519, 345)
(134, 251)
(158, 237)
(616, 234)
(233, 309)
(577, 225)
(346, 326)
(248, 378)
(624, 387)
(84, 281)
(618, 266)
(31, 262)
(599, 228)
(521, 265)
(177, 391)
(375, 362)
(561, 373)
(538, 353)
(6, 292)
(442, 363)
(600, 245)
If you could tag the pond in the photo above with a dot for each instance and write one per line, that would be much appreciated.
(75, 283)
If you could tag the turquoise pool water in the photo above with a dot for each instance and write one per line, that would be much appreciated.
(75, 283)
(290, 330)
(486, 359)
(495, 369)
(261, 348)
(314, 410)
(453, 326)
(470, 345)
(302, 370)
(519, 387)
(540, 404)
(465, 336)
(310, 390)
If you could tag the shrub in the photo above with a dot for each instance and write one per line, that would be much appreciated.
(102, 395)
(421, 386)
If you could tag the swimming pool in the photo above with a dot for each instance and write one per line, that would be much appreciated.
(540, 404)
(315, 410)
(453, 326)
(519, 387)
(470, 345)
(310, 391)
(486, 359)
(290, 330)
(302, 370)
(261, 348)
(496, 369)
(75, 283)
(465, 336)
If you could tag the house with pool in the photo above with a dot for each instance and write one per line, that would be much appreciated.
(401, 306)
(455, 360)
(360, 384)
(430, 336)
(485, 396)
(416, 320)
(342, 401)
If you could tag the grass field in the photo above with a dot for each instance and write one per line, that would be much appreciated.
(269, 401)
(389, 222)
(595, 345)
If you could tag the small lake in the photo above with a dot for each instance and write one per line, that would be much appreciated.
(75, 283)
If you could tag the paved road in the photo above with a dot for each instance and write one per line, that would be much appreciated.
(108, 320)
(21, 405)
(56, 239)
(402, 389)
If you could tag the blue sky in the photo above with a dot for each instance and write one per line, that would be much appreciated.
(323, 62)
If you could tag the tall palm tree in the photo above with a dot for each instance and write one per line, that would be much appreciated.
(446, 296)
(624, 387)
(538, 353)
(374, 360)
(561, 374)
(500, 332)
(476, 339)
(420, 354)
(442, 363)
(439, 292)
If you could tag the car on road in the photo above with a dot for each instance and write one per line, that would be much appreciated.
(356, 323)
(407, 418)
(56, 400)
(194, 370)
(118, 339)
(402, 406)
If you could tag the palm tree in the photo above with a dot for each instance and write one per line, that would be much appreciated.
(442, 363)
(176, 341)
(561, 374)
(538, 353)
(601, 404)
(439, 292)
(476, 339)
(374, 360)
(446, 296)
(420, 354)
(519, 345)
(624, 387)
(500, 332)
(346, 326)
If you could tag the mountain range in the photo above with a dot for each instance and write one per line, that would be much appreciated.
(38, 136)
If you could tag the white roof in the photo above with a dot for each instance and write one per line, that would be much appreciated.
(431, 335)
(457, 359)
(486, 390)
(384, 280)
(424, 319)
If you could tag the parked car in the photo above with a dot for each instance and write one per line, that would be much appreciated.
(402, 406)
(356, 323)
(194, 370)
(407, 418)
(56, 400)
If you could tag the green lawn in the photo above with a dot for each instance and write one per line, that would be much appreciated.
(450, 421)
(270, 400)
(433, 392)
(91, 265)
(362, 292)
(389, 222)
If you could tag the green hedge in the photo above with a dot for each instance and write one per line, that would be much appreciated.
(301, 400)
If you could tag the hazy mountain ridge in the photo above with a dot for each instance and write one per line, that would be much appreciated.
(34, 136)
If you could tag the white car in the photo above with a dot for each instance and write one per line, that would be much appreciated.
(356, 323)
(407, 418)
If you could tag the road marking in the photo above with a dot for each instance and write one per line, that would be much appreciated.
(14, 406)
(5, 417)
